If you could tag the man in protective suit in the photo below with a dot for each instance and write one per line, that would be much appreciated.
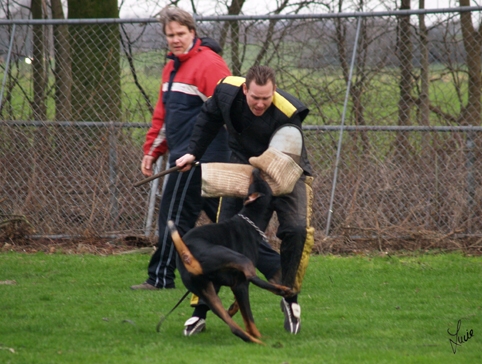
(253, 110)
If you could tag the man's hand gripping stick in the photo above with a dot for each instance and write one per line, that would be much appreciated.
(160, 174)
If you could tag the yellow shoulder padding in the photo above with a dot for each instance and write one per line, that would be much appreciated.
(234, 80)
(283, 105)
(279, 101)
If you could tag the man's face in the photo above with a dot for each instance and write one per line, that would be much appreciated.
(179, 37)
(259, 98)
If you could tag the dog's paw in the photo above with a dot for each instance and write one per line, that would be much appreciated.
(287, 292)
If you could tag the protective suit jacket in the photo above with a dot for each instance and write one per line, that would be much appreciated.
(246, 138)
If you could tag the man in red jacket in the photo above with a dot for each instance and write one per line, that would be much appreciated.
(188, 79)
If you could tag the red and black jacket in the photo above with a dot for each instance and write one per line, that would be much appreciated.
(187, 82)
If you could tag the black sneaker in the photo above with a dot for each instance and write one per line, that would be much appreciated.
(194, 326)
(150, 287)
(144, 286)
(292, 312)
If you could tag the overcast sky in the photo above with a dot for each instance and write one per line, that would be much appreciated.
(147, 8)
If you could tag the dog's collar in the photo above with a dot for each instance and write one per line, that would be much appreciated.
(263, 235)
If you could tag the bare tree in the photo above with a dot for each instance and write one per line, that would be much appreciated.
(39, 108)
(424, 104)
(471, 113)
(370, 37)
(360, 76)
(233, 26)
(38, 64)
(62, 71)
(404, 46)
(127, 47)
(269, 43)
(96, 92)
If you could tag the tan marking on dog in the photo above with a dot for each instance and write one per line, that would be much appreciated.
(192, 264)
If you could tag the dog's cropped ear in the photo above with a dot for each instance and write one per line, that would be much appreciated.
(252, 197)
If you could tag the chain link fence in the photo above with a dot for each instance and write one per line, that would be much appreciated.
(393, 134)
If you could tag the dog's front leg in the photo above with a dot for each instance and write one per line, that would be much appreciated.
(209, 295)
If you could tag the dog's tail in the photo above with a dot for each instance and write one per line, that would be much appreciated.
(192, 264)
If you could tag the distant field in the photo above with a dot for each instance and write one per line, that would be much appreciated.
(323, 90)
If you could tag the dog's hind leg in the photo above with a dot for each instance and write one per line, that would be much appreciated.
(241, 292)
(208, 294)
(234, 308)
(277, 289)
(247, 267)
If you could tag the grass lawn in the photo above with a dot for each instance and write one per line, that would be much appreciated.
(355, 309)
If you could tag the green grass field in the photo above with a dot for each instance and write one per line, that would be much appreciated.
(356, 309)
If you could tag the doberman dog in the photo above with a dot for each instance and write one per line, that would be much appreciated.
(223, 254)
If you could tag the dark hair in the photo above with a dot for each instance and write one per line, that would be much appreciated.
(260, 75)
(173, 13)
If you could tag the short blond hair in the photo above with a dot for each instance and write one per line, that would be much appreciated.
(173, 13)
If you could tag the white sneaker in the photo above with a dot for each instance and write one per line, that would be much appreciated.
(292, 312)
(194, 326)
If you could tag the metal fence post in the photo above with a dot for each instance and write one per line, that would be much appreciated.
(152, 198)
(113, 175)
(470, 177)
(340, 139)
